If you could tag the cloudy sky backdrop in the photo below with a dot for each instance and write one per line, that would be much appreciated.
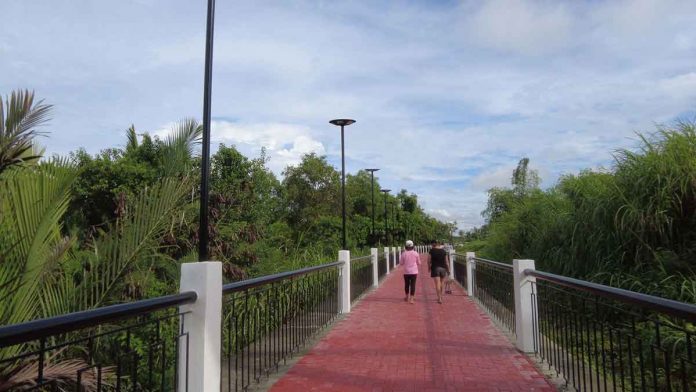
(448, 95)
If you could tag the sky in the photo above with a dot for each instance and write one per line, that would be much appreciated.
(448, 95)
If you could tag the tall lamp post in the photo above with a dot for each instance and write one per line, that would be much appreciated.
(386, 235)
(343, 122)
(205, 156)
(372, 174)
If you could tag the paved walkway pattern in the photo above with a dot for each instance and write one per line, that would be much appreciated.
(386, 344)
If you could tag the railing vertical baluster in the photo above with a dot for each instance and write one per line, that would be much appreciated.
(42, 352)
(642, 365)
(558, 337)
(230, 353)
(245, 316)
(595, 349)
(619, 338)
(565, 330)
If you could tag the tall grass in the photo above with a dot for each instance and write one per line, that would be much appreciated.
(632, 226)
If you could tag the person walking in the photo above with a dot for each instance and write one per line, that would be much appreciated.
(438, 266)
(410, 260)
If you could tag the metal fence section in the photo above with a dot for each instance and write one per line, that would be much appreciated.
(601, 338)
(360, 276)
(266, 320)
(460, 270)
(134, 346)
(381, 265)
(493, 287)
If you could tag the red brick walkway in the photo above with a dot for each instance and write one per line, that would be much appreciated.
(386, 344)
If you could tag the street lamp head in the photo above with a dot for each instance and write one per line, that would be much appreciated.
(342, 122)
(385, 190)
(372, 170)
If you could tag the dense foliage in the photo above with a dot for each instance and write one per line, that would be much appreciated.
(87, 230)
(631, 226)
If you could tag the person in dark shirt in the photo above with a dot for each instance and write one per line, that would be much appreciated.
(438, 265)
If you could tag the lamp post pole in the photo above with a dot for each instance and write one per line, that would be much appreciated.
(342, 122)
(372, 175)
(386, 226)
(395, 229)
(205, 156)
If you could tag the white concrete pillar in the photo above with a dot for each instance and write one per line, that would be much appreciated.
(524, 317)
(398, 254)
(344, 284)
(451, 263)
(394, 255)
(386, 257)
(375, 268)
(470, 273)
(203, 324)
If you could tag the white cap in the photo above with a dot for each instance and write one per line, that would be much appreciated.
(409, 243)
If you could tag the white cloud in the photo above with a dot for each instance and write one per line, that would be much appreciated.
(441, 213)
(285, 144)
(448, 97)
(680, 86)
(525, 27)
(496, 177)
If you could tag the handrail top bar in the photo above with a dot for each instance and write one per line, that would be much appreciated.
(675, 308)
(36, 329)
(361, 258)
(495, 263)
(255, 282)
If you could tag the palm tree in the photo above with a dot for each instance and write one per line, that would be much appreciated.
(34, 252)
(18, 122)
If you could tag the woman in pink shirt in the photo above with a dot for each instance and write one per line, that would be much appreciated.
(410, 260)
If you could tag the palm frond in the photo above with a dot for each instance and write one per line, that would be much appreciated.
(179, 147)
(132, 143)
(32, 204)
(18, 122)
(63, 373)
(130, 240)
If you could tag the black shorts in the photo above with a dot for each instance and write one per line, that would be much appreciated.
(438, 271)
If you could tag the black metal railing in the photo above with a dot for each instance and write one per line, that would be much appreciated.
(460, 270)
(398, 257)
(381, 266)
(135, 346)
(266, 320)
(391, 260)
(360, 276)
(492, 283)
(601, 338)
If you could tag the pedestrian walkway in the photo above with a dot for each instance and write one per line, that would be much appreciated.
(386, 344)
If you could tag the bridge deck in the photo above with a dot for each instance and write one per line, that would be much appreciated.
(386, 344)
